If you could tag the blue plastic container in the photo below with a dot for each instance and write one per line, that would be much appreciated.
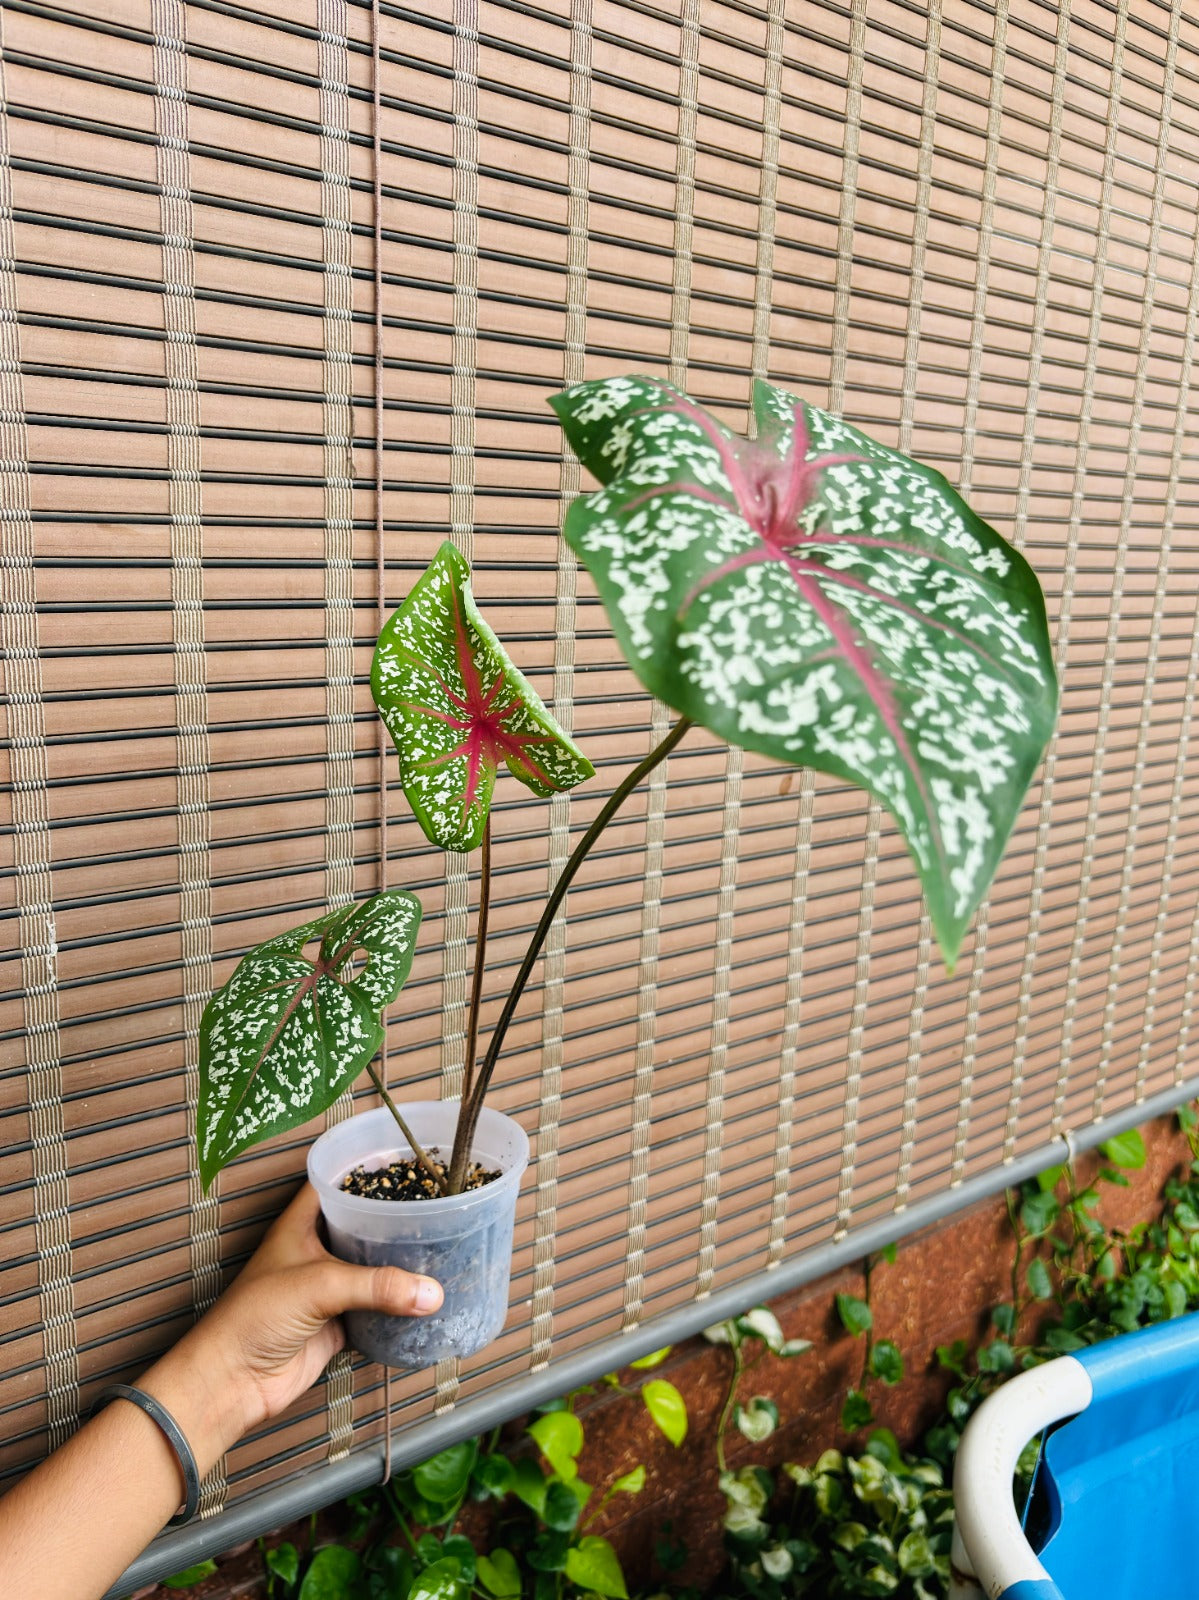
(1118, 1482)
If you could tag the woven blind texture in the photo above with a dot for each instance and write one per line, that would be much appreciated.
(224, 228)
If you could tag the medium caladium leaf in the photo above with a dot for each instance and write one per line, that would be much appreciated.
(823, 600)
(286, 1034)
(456, 706)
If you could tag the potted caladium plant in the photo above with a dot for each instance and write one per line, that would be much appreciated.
(807, 594)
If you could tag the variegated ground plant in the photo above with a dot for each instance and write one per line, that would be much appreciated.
(808, 594)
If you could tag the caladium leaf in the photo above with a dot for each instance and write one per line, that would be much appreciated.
(816, 597)
(456, 706)
(286, 1034)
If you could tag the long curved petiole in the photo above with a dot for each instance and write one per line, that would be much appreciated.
(468, 1115)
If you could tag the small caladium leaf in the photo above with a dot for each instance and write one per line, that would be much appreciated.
(288, 1032)
(456, 706)
(818, 598)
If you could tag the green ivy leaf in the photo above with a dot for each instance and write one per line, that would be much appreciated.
(857, 1412)
(822, 600)
(456, 706)
(594, 1565)
(444, 1476)
(190, 1575)
(1062, 1340)
(463, 1552)
(886, 1361)
(762, 1324)
(884, 1446)
(429, 1549)
(952, 1357)
(559, 1437)
(500, 1575)
(561, 1508)
(1125, 1150)
(1040, 1285)
(777, 1561)
(654, 1359)
(916, 1555)
(549, 1550)
(390, 1573)
(420, 1510)
(757, 1420)
(528, 1483)
(726, 1332)
(1004, 1318)
(795, 1347)
(629, 1482)
(667, 1407)
(856, 1316)
(997, 1356)
(442, 1581)
(1039, 1211)
(493, 1475)
(282, 1039)
(284, 1562)
(331, 1574)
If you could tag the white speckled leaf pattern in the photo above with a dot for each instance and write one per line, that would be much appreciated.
(456, 706)
(286, 1034)
(823, 600)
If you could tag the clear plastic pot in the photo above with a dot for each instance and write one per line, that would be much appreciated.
(462, 1240)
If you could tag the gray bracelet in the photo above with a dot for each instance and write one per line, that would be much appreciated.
(174, 1433)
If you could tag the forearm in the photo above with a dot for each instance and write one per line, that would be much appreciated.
(70, 1528)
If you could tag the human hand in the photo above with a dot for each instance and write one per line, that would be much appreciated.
(273, 1331)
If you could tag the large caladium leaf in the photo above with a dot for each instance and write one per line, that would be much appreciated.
(287, 1034)
(456, 706)
(823, 600)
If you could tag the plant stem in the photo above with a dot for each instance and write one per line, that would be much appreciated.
(429, 1169)
(476, 992)
(1018, 1239)
(729, 1401)
(468, 1115)
(868, 1350)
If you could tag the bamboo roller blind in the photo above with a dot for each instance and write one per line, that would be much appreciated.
(970, 227)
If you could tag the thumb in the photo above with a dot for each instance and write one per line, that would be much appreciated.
(337, 1286)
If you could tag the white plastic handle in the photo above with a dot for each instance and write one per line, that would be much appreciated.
(988, 1541)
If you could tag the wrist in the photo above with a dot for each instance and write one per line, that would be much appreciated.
(211, 1411)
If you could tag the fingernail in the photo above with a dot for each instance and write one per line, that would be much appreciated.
(428, 1295)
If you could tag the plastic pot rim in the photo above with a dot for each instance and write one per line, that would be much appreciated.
(439, 1205)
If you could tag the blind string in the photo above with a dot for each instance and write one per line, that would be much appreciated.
(338, 514)
(380, 553)
(838, 378)
(772, 111)
(978, 324)
(1178, 784)
(464, 399)
(549, 1117)
(911, 384)
(185, 503)
(1116, 580)
(1145, 723)
(33, 857)
(1028, 435)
